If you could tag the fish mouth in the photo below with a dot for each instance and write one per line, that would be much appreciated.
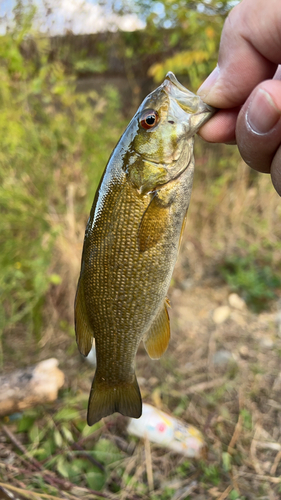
(187, 100)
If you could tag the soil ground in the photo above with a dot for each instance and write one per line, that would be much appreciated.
(221, 373)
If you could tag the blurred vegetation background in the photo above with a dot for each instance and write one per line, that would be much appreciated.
(64, 102)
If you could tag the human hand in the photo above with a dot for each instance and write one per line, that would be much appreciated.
(246, 86)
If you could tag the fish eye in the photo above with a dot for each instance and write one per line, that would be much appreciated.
(149, 118)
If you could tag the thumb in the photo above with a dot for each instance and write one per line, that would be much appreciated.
(258, 128)
(249, 53)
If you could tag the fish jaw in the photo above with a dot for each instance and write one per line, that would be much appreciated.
(192, 104)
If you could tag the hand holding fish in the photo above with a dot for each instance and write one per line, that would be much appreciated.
(247, 88)
(131, 244)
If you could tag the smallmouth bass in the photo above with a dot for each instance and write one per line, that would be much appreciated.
(131, 244)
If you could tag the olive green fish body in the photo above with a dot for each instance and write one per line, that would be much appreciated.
(131, 245)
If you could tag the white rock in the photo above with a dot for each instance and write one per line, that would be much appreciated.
(221, 314)
(236, 301)
(244, 351)
(238, 318)
(222, 357)
(266, 342)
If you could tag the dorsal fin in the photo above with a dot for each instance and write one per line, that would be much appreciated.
(84, 332)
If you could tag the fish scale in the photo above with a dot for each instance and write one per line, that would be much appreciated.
(131, 244)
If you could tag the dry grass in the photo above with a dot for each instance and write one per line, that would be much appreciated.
(230, 202)
(236, 404)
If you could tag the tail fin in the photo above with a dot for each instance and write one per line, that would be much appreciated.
(105, 399)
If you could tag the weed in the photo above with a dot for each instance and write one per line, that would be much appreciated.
(184, 468)
(50, 147)
(235, 495)
(211, 473)
(252, 276)
(54, 145)
(247, 419)
(226, 461)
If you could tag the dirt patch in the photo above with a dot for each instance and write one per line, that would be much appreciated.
(220, 373)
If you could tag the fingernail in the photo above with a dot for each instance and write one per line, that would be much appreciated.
(208, 83)
(262, 114)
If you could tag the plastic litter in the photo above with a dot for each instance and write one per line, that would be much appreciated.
(159, 427)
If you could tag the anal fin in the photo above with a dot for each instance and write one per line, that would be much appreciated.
(157, 338)
(84, 332)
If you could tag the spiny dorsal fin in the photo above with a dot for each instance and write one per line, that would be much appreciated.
(157, 339)
(84, 332)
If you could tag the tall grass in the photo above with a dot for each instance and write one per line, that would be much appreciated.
(54, 145)
(234, 220)
(52, 154)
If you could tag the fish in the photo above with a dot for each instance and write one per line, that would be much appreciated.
(131, 244)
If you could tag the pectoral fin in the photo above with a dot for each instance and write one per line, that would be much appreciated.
(153, 224)
(157, 339)
(84, 332)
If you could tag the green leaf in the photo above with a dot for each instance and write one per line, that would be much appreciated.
(25, 423)
(95, 480)
(235, 495)
(88, 431)
(58, 438)
(45, 451)
(66, 414)
(90, 66)
(34, 434)
(106, 452)
(247, 419)
(63, 467)
(67, 434)
(226, 461)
